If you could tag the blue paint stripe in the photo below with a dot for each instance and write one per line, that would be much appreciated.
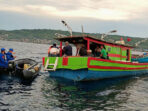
(84, 74)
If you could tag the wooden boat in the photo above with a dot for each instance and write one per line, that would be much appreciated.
(83, 68)
(23, 68)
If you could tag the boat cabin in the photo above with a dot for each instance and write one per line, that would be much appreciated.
(115, 51)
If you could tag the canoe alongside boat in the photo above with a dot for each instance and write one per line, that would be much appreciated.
(83, 68)
(23, 68)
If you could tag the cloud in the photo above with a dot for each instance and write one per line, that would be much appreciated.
(13, 20)
(98, 9)
(127, 16)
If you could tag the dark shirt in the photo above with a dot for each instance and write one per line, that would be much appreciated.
(83, 51)
(3, 62)
(97, 54)
(68, 50)
(9, 56)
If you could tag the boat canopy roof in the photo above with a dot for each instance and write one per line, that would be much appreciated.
(82, 39)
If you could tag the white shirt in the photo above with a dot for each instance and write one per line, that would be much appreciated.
(54, 51)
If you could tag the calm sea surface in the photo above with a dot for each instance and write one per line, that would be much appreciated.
(49, 94)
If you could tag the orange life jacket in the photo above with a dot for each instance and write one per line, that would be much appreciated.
(49, 50)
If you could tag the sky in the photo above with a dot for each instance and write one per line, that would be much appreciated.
(128, 17)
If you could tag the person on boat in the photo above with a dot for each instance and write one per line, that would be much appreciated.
(53, 50)
(9, 55)
(97, 51)
(3, 61)
(103, 52)
(83, 51)
(89, 53)
(67, 49)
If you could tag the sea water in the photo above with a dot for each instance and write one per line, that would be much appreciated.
(50, 94)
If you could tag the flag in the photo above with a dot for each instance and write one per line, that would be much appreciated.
(128, 39)
(121, 38)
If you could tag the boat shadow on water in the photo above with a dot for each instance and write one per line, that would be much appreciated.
(96, 84)
(92, 95)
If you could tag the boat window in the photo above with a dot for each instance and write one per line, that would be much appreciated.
(109, 49)
(118, 49)
(96, 49)
(83, 49)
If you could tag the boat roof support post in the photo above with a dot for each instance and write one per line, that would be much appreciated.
(88, 45)
(128, 55)
(61, 49)
(120, 53)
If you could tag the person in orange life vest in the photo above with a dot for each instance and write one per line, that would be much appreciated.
(9, 55)
(53, 51)
(3, 61)
(49, 50)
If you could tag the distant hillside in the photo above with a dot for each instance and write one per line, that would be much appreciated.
(46, 36)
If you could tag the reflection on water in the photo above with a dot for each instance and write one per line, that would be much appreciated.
(45, 93)
(110, 94)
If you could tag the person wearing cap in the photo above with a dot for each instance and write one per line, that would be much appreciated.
(3, 61)
(67, 49)
(9, 55)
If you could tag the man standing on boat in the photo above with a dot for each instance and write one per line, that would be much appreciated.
(53, 51)
(103, 53)
(97, 51)
(9, 55)
(3, 61)
(67, 49)
(83, 50)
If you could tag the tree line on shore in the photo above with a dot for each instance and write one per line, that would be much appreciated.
(46, 36)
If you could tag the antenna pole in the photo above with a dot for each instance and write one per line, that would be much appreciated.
(69, 28)
(82, 30)
(106, 34)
